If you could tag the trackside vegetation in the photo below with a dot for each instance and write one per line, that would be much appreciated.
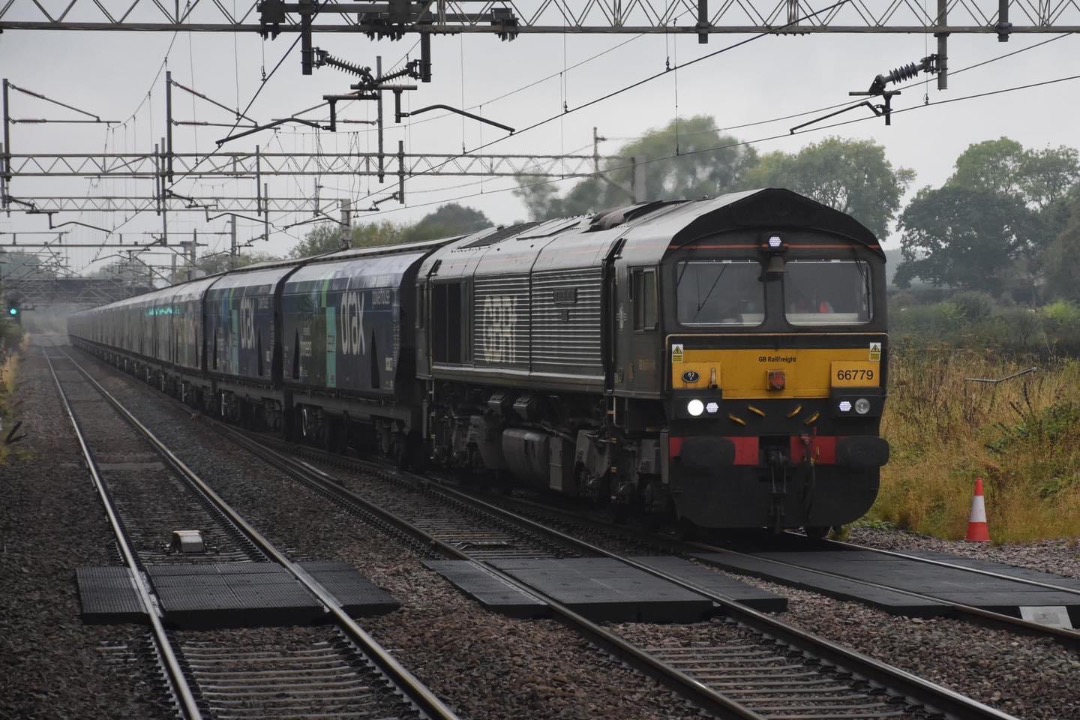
(11, 337)
(982, 391)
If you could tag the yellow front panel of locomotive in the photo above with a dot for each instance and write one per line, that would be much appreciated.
(808, 373)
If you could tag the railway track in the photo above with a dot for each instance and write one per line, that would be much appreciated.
(1066, 636)
(837, 678)
(762, 668)
(335, 669)
(615, 533)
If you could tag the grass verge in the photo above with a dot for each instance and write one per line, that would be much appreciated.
(947, 428)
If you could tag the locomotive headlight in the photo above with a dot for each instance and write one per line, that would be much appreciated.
(695, 407)
(862, 406)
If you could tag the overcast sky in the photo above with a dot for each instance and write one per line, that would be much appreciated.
(748, 90)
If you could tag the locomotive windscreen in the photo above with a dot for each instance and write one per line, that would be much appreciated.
(827, 292)
(720, 292)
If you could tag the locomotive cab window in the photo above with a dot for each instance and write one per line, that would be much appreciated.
(643, 294)
(720, 292)
(827, 292)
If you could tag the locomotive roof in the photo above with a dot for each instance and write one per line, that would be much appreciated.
(767, 209)
(649, 229)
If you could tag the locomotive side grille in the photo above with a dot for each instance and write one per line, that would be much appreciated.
(501, 321)
(566, 324)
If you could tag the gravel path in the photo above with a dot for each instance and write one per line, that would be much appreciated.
(51, 665)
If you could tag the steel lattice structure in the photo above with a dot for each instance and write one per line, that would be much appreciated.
(255, 167)
(396, 18)
(211, 205)
(252, 165)
(508, 19)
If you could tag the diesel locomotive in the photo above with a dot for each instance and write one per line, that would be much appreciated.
(721, 362)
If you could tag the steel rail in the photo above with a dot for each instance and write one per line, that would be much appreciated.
(957, 566)
(925, 693)
(929, 694)
(680, 682)
(1069, 638)
(174, 672)
(408, 683)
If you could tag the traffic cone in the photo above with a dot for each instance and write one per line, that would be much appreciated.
(978, 530)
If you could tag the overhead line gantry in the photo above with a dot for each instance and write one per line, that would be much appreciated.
(510, 19)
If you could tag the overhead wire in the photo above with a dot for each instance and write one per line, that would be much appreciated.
(357, 195)
(212, 153)
(489, 101)
(756, 141)
(741, 126)
(147, 98)
(133, 119)
(826, 108)
(643, 81)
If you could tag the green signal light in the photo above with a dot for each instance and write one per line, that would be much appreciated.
(13, 311)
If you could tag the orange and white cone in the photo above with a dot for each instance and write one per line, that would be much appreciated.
(978, 530)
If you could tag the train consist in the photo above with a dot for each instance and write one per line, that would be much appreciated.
(719, 362)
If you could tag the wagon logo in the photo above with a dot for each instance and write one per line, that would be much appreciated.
(690, 377)
(352, 323)
(247, 323)
(499, 328)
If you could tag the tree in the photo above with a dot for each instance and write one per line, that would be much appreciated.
(450, 219)
(688, 158)
(376, 234)
(1040, 177)
(967, 239)
(17, 265)
(990, 166)
(1049, 175)
(222, 261)
(323, 238)
(1062, 258)
(851, 176)
(543, 202)
(328, 238)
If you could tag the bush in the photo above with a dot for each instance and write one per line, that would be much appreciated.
(11, 336)
(942, 321)
(973, 306)
(1061, 323)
